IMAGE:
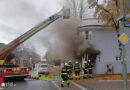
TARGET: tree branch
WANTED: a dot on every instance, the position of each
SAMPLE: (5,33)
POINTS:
(114,22)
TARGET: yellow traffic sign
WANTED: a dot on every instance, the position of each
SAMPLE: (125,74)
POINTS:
(123,38)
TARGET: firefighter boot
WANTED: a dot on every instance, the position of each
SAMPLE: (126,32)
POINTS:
(68,84)
(62,85)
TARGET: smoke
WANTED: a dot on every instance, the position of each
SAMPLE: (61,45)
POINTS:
(68,39)
(64,41)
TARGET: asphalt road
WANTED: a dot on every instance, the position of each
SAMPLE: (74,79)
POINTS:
(32,85)
(71,87)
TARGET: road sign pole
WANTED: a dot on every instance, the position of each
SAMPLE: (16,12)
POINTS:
(123,55)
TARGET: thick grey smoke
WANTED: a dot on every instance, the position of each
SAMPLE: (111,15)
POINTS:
(64,41)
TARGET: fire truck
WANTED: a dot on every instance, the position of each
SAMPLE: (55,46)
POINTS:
(13,72)
(9,70)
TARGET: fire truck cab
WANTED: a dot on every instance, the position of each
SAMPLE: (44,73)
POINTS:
(13,72)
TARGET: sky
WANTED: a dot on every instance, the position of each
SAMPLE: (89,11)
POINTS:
(18,16)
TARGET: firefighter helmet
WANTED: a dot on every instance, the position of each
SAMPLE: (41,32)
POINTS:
(66,64)
(76,62)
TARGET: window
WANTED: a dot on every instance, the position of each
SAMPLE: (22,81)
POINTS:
(88,35)
(43,66)
(43,61)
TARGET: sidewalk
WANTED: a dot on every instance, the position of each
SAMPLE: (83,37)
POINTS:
(102,84)
(99,82)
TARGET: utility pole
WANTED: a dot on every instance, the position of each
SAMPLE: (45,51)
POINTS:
(123,54)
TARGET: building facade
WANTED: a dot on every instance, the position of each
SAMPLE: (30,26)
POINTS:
(106,41)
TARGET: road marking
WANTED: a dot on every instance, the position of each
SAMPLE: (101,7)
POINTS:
(78,85)
(56,85)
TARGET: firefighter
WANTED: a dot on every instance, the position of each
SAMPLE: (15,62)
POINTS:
(65,75)
(85,69)
(70,66)
(90,66)
(77,70)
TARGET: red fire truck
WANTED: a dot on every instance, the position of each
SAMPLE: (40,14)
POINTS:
(7,69)
(13,72)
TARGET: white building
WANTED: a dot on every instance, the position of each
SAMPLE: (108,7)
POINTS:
(107,42)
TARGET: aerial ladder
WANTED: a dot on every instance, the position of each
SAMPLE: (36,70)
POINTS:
(14,71)
(4,51)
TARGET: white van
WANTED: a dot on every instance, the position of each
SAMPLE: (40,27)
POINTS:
(42,67)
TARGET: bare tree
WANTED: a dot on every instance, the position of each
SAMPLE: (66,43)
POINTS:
(26,51)
(78,8)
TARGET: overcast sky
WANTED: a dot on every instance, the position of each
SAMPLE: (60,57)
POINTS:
(18,16)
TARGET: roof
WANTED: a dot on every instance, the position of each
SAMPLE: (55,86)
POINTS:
(91,21)
(91,24)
